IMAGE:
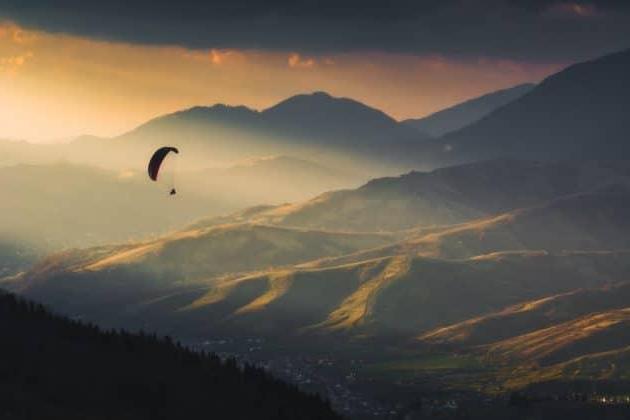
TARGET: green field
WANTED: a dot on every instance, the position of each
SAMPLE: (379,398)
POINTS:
(428,363)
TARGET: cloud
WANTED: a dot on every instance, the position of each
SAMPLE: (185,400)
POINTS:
(215,56)
(511,29)
(15,44)
(10,65)
(15,35)
(296,61)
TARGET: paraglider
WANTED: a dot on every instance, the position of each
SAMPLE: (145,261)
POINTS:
(156,163)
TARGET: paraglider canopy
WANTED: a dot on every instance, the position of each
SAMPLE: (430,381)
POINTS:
(157,159)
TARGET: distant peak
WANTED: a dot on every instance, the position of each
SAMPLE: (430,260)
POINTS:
(216,109)
(321,94)
(221,107)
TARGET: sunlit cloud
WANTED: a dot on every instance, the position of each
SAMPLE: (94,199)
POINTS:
(12,33)
(14,48)
(10,65)
(215,56)
(296,61)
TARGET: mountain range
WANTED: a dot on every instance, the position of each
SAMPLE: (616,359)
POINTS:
(443,196)
(579,113)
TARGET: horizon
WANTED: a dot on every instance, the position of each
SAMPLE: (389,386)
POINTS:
(82,96)
(72,138)
(73,69)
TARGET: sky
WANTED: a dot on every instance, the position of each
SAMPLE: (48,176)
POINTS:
(70,67)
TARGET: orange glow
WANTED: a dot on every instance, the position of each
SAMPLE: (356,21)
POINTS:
(55,86)
(296,61)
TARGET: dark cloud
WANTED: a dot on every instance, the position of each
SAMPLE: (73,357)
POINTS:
(532,29)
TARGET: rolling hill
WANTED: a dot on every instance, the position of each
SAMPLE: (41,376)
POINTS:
(578,113)
(531,316)
(441,197)
(593,333)
(593,371)
(586,221)
(441,254)
(468,112)
(189,260)
(389,296)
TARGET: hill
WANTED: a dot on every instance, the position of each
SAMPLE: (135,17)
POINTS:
(531,316)
(578,113)
(592,333)
(443,196)
(586,221)
(466,113)
(189,260)
(56,368)
(389,296)
(591,372)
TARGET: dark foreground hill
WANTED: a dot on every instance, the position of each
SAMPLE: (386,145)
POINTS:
(54,368)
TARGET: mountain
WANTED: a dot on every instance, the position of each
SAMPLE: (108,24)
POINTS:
(443,196)
(57,368)
(318,125)
(578,113)
(466,113)
(342,122)
(337,132)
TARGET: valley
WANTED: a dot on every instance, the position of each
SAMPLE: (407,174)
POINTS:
(396,278)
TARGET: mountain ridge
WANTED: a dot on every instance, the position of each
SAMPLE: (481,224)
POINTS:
(577,113)
(465,113)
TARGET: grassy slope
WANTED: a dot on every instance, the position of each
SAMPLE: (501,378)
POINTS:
(384,296)
(95,279)
(530,316)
